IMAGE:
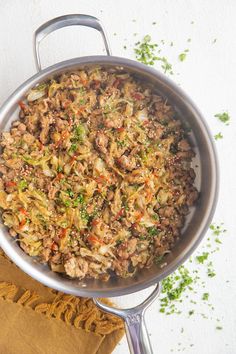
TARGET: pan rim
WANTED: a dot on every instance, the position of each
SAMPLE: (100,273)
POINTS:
(114,61)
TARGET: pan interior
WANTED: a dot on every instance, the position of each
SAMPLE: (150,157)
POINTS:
(204,164)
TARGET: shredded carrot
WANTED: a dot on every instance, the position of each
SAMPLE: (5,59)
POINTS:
(102,179)
(95,222)
(54,246)
(121,129)
(94,239)
(60,175)
(84,81)
(67,103)
(81,109)
(139,217)
(22,223)
(41,146)
(73,159)
(10,184)
(149,195)
(119,214)
(22,105)
(63,232)
(64,135)
(23,211)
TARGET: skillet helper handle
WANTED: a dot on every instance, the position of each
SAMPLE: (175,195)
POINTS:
(64,21)
(135,327)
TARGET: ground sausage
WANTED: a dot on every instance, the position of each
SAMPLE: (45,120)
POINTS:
(127,162)
(101,142)
(76,267)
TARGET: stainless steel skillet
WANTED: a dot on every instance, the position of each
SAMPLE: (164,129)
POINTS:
(197,221)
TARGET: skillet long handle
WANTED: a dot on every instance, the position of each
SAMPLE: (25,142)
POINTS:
(135,327)
(64,21)
(137,335)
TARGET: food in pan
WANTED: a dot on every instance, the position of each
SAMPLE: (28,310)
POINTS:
(96,175)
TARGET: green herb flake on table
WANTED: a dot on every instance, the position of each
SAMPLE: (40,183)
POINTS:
(218,136)
(223,117)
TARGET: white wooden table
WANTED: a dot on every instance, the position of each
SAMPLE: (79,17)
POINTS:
(209,76)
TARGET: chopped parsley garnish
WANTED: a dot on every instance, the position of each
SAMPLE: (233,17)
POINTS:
(152,231)
(218,136)
(201,259)
(79,134)
(223,117)
(166,66)
(125,204)
(205,296)
(145,53)
(70,193)
(119,242)
(84,215)
(173,288)
(22,185)
(67,203)
(59,169)
(82,101)
(155,217)
(219,327)
(73,147)
(182,56)
(217,230)
(177,285)
(79,200)
(210,271)
(142,237)
(121,143)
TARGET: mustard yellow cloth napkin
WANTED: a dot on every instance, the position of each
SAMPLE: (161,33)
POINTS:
(38,320)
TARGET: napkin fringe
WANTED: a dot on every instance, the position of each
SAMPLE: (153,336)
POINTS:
(79,312)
